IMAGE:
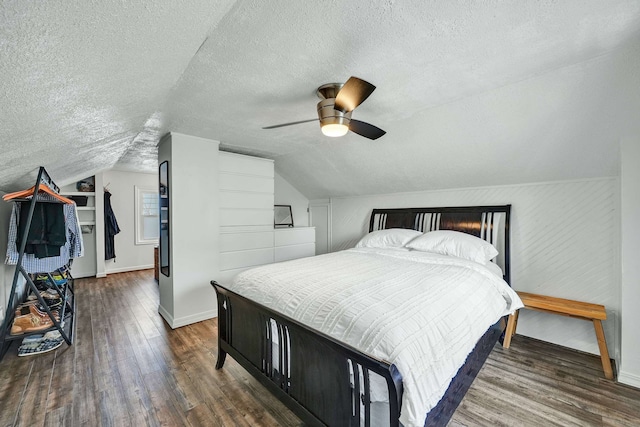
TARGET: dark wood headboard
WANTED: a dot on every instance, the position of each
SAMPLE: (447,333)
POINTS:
(490,223)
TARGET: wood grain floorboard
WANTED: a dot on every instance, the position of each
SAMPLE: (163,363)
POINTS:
(128,368)
(34,399)
(61,392)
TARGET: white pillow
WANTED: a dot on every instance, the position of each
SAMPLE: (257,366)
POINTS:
(455,243)
(391,238)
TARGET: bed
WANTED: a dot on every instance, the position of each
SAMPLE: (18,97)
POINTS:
(357,376)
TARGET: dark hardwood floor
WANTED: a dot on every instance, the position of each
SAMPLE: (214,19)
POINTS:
(127,368)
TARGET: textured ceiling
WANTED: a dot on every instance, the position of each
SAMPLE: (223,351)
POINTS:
(470,93)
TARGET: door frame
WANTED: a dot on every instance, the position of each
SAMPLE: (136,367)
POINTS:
(318,204)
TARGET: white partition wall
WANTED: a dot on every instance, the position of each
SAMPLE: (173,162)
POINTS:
(186,295)
(246,213)
(247,236)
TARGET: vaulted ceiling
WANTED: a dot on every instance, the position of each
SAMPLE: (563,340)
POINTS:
(470,93)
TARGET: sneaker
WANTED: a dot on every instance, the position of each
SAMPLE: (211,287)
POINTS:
(38,344)
(42,281)
(50,297)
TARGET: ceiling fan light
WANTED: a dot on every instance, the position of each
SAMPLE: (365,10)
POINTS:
(335,129)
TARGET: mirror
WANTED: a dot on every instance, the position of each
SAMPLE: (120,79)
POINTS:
(282,216)
(164,217)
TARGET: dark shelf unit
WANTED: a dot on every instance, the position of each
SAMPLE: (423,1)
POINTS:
(65,325)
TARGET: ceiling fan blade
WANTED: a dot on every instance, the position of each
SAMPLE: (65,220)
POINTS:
(365,129)
(352,94)
(290,124)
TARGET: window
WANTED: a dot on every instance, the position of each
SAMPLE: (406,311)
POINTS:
(147,216)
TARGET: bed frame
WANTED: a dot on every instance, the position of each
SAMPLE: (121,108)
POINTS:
(326,382)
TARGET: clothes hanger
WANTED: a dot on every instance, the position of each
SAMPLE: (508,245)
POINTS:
(29,192)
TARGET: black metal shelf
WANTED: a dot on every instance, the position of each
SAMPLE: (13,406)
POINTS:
(65,324)
(67,310)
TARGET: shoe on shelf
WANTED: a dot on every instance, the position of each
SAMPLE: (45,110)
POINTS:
(30,323)
(50,297)
(38,344)
(37,310)
(55,305)
(44,283)
(41,285)
(58,278)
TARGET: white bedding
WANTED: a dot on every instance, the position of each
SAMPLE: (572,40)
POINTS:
(420,311)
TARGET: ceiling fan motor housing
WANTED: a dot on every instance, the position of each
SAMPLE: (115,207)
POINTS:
(328,115)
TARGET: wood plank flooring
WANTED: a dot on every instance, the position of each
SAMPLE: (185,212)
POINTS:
(128,368)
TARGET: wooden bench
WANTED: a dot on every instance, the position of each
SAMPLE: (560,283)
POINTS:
(565,307)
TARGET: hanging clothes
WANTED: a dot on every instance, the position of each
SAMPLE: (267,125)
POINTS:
(110,228)
(47,230)
(72,248)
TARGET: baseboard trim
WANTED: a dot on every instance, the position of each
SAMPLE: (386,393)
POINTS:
(166,316)
(82,274)
(186,320)
(629,379)
(125,269)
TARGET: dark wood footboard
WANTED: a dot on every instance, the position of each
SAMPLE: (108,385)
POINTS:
(323,381)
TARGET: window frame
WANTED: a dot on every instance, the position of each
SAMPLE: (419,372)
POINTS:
(139,216)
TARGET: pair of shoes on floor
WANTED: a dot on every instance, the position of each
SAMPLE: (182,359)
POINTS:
(38,344)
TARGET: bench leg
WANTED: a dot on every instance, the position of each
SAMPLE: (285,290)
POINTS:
(511,329)
(604,353)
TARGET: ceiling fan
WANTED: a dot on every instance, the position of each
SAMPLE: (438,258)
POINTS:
(337,101)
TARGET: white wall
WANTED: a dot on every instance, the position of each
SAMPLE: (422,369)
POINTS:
(564,244)
(186,296)
(630,237)
(246,213)
(628,82)
(6,271)
(287,194)
(129,256)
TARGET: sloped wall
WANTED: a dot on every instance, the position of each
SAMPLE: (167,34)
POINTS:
(565,242)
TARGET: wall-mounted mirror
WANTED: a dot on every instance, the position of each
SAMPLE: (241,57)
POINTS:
(282,216)
(164,217)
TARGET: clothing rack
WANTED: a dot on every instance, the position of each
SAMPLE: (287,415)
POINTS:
(65,321)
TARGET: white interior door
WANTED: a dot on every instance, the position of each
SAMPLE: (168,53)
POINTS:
(321,220)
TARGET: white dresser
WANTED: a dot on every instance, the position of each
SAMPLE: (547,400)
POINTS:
(292,243)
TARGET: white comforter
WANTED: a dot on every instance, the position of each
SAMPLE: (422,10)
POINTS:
(421,312)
